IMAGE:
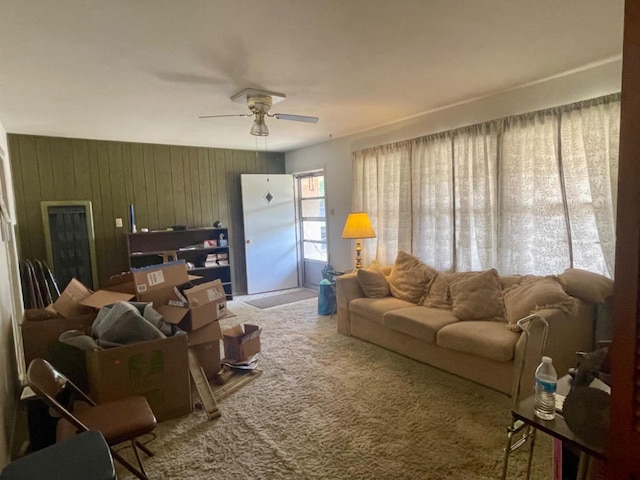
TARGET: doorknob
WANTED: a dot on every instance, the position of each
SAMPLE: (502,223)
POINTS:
(248,240)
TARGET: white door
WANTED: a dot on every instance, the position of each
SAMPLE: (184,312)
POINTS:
(270,232)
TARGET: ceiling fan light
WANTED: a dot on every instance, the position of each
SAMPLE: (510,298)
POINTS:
(259,128)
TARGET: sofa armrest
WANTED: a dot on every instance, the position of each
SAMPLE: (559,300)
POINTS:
(567,334)
(347,288)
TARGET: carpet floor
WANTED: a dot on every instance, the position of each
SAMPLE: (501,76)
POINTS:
(329,406)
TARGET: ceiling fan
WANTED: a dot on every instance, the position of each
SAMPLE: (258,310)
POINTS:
(260,102)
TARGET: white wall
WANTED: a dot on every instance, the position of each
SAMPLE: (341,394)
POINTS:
(335,155)
(9,298)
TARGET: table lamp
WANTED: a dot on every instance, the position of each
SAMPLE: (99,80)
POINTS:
(358,227)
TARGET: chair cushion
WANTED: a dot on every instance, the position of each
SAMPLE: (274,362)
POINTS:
(81,457)
(373,282)
(492,340)
(422,323)
(374,308)
(410,278)
(118,421)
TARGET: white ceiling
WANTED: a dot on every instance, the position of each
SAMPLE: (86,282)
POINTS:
(144,70)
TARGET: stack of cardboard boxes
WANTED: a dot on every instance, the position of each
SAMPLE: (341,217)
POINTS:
(156,369)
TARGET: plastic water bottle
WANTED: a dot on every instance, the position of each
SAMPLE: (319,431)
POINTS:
(545,390)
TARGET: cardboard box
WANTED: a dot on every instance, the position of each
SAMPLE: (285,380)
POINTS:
(101,298)
(205,342)
(241,342)
(209,357)
(158,370)
(68,304)
(199,306)
(40,331)
(209,333)
(155,283)
(76,299)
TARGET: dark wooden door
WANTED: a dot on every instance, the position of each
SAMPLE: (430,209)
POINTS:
(624,456)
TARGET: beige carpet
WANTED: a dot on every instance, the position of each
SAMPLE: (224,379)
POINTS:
(334,407)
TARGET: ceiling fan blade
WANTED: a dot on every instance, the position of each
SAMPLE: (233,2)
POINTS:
(295,118)
(235,115)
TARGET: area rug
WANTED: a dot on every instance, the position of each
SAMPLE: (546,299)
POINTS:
(282,298)
(328,406)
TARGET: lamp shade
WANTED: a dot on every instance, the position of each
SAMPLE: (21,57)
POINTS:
(358,226)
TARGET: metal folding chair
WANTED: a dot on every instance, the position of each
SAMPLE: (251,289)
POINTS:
(525,433)
(119,421)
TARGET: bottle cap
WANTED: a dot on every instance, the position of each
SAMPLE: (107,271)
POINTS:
(546,359)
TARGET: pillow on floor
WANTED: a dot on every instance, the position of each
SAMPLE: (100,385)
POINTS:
(478,297)
(410,278)
(588,286)
(373,282)
(527,298)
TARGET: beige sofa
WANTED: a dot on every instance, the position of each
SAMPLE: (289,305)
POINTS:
(485,351)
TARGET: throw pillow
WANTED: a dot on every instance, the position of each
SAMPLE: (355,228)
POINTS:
(373,282)
(508,281)
(410,278)
(590,287)
(478,297)
(438,295)
(527,298)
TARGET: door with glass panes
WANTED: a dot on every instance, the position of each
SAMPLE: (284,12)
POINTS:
(313,226)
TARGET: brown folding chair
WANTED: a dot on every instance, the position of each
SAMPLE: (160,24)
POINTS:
(119,421)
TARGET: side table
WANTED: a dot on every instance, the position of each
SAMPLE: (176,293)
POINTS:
(557,428)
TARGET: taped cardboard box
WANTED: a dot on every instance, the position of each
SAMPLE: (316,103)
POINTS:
(158,370)
(241,342)
(155,283)
(205,342)
(195,307)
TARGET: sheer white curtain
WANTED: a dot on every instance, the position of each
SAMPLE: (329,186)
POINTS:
(433,224)
(476,200)
(533,234)
(382,188)
(589,147)
(533,193)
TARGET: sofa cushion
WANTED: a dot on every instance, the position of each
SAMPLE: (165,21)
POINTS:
(422,323)
(545,292)
(486,339)
(375,308)
(588,286)
(373,282)
(410,278)
(438,295)
(478,297)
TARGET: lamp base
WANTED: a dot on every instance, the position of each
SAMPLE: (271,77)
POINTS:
(358,256)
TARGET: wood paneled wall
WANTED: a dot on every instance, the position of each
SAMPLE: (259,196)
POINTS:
(168,185)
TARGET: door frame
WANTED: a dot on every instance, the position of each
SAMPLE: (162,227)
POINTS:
(297,176)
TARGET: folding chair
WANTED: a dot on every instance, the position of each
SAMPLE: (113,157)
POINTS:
(516,427)
(119,421)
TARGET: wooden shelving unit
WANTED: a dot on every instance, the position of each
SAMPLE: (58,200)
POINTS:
(210,262)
